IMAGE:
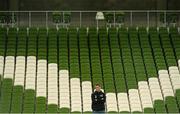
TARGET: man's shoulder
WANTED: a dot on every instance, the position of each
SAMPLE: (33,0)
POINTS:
(95,92)
(103,93)
(92,93)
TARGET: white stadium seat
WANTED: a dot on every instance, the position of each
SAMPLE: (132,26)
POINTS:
(75,95)
(86,95)
(64,94)
(145,94)
(111,102)
(155,89)
(123,102)
(134,99)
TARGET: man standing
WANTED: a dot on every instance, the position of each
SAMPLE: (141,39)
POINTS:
(98,100)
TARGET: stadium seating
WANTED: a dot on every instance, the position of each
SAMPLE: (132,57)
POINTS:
(54,70)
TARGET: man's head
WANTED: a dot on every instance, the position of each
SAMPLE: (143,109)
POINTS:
(98,87)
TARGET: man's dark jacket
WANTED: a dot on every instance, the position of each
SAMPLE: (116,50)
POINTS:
(98,101)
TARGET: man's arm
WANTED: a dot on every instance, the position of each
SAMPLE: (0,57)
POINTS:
(92,97)
(104,97)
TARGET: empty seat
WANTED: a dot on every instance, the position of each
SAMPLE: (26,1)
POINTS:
(123,102)
(155,89)
(175,79)
(134,99)
(173,70)
(162,72)
(9,67)
(86,96)
(111,102)
(75,95)
(52,84)
(41,78)
(145,94)
(166,85)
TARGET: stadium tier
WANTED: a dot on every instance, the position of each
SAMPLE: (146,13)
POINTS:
(48,70)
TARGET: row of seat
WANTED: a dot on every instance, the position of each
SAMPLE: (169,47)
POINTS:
(62,66)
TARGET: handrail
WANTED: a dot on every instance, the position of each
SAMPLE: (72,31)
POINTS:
(79,19)
(92,11)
